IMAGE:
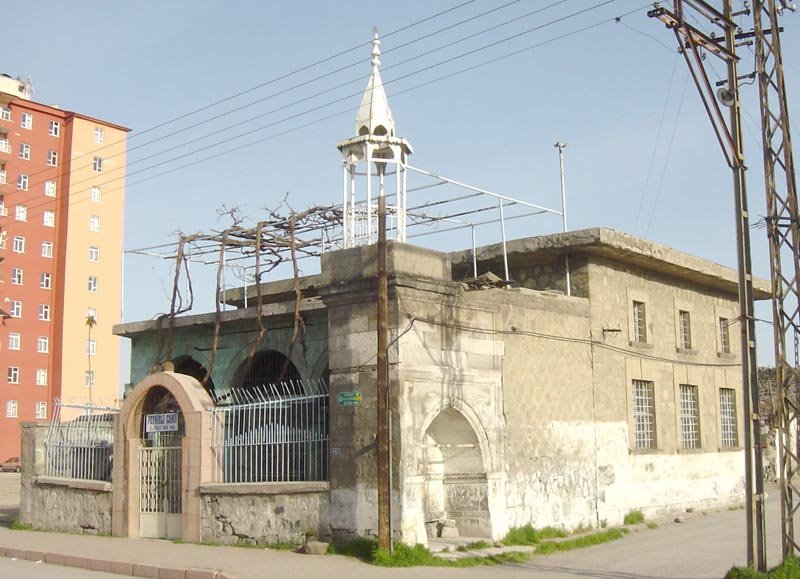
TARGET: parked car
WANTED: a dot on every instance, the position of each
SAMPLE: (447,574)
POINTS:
(11,465)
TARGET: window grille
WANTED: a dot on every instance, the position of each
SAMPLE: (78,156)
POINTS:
(685,322)
(724,336)
(644,415)
(690,417)
(727,417)
(639,323)
(272,433)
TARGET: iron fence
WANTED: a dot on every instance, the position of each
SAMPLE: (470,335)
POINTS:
(80,441)
(272,433)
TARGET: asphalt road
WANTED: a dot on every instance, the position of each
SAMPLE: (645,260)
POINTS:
(16,569)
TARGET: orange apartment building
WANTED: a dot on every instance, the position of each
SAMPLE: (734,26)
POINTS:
(62,177)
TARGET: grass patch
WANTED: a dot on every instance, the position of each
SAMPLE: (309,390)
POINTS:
(652,526)
(16,525)
(789,569)
(633,517)
(547,547)
(528,535)
(474,545)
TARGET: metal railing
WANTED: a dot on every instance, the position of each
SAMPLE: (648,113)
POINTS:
(80,441)
(271,434)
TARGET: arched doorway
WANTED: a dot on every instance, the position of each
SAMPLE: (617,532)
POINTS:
(269,373)
(160,496)
(455,484)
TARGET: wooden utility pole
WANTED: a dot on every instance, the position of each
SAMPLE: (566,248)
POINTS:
(384,491)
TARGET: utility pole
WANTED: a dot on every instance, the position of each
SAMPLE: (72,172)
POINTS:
(384,490)
(561,146)
(694,45)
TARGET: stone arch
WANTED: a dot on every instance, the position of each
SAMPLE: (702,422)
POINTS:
(268,368)
(192,401)
(189,366)
(454,470)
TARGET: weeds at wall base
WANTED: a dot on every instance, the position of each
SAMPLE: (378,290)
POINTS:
(789,569)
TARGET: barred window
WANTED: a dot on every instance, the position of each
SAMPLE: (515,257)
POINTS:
(690,417)
(727,418)
(639,322)
(724,336)
(685,330)
(644,415)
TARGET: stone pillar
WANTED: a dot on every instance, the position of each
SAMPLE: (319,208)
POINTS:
(32,459)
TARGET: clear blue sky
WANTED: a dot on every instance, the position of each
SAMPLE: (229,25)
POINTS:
(604,91)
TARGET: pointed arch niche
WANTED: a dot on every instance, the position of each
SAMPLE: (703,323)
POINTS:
(454,470)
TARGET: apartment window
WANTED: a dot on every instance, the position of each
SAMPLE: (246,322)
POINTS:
(13,374)
(22,182)
(41,377)
(16,309)
(96,194)
(43,344)
(49,218)
(5,114)
(690,417)
(41,410)
(27,121)
(24,151)
(14,341)
(94,253)
(52,158)
(639,322)
(93,284)
(91,347)
(88,378)
(3,174)
(684,330)
(50,188)
(21,212)
(47,249)
(55,129)
(727,418)
(46,280)
(91,313)
(12,408)
(17,276)
(3,234)
(4,146)
(644,415)
(99,134)
(19,244)
(724,336)
(44,312)
(97,164)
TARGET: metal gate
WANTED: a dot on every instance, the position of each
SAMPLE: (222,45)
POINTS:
(160,492)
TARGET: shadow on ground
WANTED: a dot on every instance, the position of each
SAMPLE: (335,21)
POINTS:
(8,515)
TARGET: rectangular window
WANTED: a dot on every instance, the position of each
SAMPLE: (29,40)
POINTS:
(88,378)
(52,158)
(644,415)
(14,341)
(50,188)
(49,218)
(639,323)
(26,122)
(684,330)
(24,151)
(91,347)
(724,336)
(21,212)
(96,194)
(727,418)
(13,374)
(41,410)
(55,129)
(5,114)
(41,377)
(94,223)
(19,244)
(43,344)
(47,249)
(91,313)
(5,147)
(93,284)
(16,309)
(94,253)
(99,134)
(97,165)
(46,280)
(3,175)
(22,182)
(44,312)
(17,276)
(12,408)
(690,417)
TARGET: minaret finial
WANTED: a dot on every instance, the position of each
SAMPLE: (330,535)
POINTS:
(376,49)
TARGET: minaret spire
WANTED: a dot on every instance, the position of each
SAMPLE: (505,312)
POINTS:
(374,116)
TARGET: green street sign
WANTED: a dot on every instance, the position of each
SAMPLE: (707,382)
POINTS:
(349,398)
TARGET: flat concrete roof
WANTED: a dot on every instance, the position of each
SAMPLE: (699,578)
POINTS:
(623,248)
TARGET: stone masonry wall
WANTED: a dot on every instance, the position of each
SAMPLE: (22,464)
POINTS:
(70,507)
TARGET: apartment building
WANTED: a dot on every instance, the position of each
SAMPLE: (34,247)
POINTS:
(62,185)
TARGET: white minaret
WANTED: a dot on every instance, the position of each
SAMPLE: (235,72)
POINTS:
(369,159)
